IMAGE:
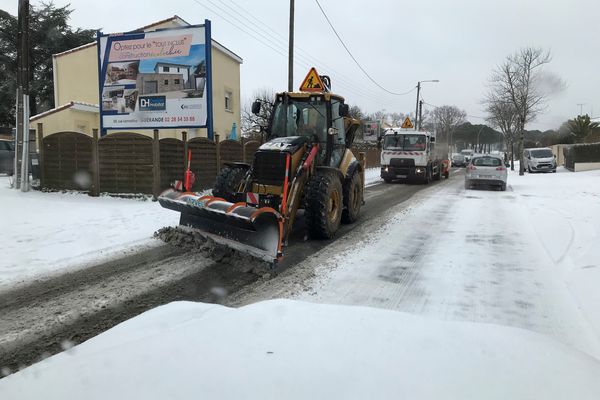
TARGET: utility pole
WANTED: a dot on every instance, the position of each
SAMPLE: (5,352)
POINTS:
(417,106)
(420,120)
(580,108)
(24,47)
(291,50)
(21,163)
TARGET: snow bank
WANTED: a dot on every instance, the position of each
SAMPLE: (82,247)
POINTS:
(372,176)
(46,233)
(293,350)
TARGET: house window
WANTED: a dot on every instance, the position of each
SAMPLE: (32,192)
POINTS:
(228,100)
(166,81)
(165,69)
(176,81)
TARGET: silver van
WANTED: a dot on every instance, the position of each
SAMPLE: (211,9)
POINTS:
(540,159)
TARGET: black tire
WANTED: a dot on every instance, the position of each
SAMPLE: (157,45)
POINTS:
(427,176)
(228,181)
(387,180)
(353,198)
(503,187)
(447,175)
(528,169)
(324,204)
(467,185)
(438,175)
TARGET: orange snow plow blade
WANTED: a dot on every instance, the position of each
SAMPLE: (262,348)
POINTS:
(252,230)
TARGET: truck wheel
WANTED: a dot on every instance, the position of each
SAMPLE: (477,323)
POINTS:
(438,174)
(427,176)
(324,203)
(353,198)
(228,181)
(387,180)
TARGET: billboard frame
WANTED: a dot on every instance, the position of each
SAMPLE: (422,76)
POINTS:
(208,57)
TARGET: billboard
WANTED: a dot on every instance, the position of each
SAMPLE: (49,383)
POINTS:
(151,80)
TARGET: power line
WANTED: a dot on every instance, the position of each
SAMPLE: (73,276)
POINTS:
(354,59)
(302,54)
(349,87)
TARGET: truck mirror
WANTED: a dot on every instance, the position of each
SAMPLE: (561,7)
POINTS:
(256,107)
(432,139)
(344,110)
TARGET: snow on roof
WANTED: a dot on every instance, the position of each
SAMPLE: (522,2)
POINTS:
(76,105)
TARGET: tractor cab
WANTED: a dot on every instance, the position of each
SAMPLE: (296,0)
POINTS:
(316,118)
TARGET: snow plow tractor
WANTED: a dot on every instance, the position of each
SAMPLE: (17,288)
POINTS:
(306,163)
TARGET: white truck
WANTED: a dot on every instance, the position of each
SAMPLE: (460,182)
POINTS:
(411,156)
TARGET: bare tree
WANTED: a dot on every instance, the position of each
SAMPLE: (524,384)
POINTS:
(249,121)
(446,119)
(503,115)
(357,112)
(521,80)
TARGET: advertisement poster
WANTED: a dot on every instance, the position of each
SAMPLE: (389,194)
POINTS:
(155,79)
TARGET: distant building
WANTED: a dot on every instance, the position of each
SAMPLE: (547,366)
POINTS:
(76,87)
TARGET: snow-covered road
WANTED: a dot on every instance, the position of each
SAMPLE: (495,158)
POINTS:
(523,258)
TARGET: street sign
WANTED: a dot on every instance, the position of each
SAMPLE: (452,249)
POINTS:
(407,124)
(312,82)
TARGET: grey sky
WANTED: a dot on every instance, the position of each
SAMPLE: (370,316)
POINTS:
(397,42)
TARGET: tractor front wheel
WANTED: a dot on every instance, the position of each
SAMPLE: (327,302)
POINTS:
(324,204)
(353,198)
(228,182)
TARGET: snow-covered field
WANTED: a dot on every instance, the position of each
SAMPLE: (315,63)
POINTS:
(527,257)
(294,350)
(46,233)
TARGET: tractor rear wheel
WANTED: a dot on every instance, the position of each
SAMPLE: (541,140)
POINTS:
(228,181)
(353,198)
(324,204)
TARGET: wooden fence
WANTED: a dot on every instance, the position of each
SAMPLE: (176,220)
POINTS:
(130,163)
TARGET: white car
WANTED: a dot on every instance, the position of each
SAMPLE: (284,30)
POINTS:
(486,170)
(541,159)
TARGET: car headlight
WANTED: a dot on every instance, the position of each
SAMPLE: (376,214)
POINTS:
(418,170)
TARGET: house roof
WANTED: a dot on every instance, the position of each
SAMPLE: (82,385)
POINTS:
(179,21)
(75,105)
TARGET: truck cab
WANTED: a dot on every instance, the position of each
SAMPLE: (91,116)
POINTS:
(409,155)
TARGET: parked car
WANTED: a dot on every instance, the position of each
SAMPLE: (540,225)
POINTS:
(540,159)
(486,170)
(458,160)
(7,157)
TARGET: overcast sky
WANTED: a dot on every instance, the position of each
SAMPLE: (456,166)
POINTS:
(397,42)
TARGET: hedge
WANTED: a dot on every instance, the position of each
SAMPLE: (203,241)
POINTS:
(581,153)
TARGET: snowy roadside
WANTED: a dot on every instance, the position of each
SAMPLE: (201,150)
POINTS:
(49,233)
(372,176)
